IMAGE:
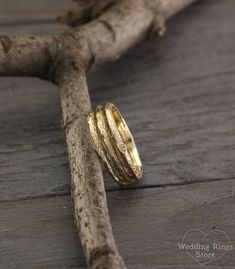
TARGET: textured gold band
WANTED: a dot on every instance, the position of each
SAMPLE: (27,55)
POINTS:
(114,144)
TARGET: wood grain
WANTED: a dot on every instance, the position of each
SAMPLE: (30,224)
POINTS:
(32,28)
(177,95)
(26,11)
(148,224)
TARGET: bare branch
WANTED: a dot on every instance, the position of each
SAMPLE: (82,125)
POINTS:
(114,27)
(25,55)
(90,206)
(118,25)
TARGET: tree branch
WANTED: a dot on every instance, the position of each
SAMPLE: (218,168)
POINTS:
(25,55)
(114,27)
(122,24)
(90,207)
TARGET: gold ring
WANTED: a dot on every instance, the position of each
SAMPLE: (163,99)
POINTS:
(114,144)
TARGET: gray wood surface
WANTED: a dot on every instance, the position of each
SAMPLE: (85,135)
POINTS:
(148,224)
(177,95)
(25,11)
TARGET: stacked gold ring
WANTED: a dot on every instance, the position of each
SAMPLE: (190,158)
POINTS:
(114,144)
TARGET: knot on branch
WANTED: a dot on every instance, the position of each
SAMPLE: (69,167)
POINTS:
(158,25)
(70,50)
(6,43)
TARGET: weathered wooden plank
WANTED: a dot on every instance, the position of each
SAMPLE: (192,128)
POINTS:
(27,11)
(176,93)
(33,155)
(178,96)
(148,224)
(33,28)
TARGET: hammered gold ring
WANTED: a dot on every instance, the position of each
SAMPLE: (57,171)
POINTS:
(114,144)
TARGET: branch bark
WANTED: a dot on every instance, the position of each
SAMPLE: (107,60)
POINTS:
(88,193)
(114,27)
(25,55)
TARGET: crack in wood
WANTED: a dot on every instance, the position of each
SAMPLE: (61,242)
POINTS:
(131,188)
(6,43)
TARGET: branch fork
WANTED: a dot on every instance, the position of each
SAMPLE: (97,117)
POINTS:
(104,30)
